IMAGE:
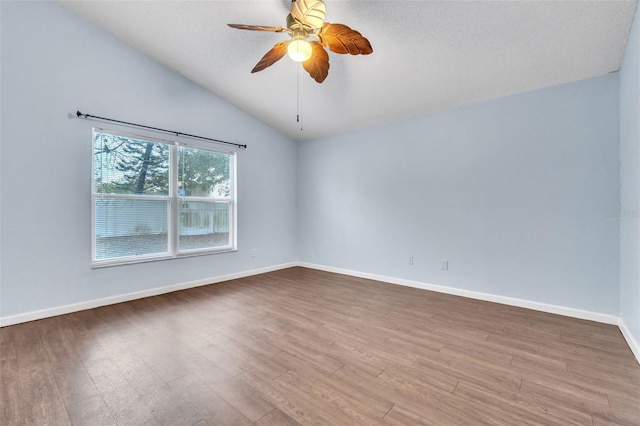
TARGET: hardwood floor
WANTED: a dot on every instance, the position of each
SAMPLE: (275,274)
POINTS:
(300,346)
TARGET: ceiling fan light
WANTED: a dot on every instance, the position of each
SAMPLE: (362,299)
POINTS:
(299,50)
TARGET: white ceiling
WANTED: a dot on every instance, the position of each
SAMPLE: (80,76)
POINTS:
(428,55)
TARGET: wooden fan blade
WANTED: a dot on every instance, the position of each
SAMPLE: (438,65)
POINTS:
(318,65)
(339,38)
(272,56)
(258,28)
(310,13)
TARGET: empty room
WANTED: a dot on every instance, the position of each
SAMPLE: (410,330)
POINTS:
(313,212)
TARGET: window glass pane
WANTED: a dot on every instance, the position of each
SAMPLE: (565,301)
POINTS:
(130,166)
(203,225)
(203,173)
(130,227)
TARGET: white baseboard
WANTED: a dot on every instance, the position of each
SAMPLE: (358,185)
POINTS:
(536,306)
(633,345)
(95,303)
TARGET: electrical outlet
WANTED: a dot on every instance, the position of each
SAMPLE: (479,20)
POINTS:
(445,265)
(253,253)
(410,260)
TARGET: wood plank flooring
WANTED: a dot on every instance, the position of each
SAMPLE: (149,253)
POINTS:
(306,347)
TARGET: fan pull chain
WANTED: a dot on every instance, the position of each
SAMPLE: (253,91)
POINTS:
(298,84)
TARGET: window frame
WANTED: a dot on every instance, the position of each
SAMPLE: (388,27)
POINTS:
(173,200)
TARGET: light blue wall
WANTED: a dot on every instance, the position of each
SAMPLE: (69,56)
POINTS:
(53,63)
(519,194)
(630,183)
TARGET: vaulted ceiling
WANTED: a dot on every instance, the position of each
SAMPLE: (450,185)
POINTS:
(428,55)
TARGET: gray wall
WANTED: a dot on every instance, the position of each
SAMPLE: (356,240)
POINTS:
(519,194)
(630,183)
(53,63)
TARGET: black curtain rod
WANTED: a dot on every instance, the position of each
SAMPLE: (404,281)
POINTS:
(173,132)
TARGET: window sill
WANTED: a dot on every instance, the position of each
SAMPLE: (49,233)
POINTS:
(98,264)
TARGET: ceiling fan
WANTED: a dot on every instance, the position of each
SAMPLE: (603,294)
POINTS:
(306,20)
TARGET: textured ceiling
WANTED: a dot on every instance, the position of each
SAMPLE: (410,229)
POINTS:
(428,55)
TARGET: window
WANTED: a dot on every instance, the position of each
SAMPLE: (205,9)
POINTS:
(155,199)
